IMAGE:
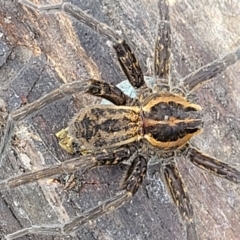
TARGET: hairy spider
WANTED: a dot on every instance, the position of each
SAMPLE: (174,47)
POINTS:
(160,122)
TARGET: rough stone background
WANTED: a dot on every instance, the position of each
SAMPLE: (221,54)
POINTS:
(40,52)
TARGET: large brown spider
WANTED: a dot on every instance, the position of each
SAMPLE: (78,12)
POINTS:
(159,122)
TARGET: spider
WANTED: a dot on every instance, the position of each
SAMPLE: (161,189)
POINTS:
(160,122)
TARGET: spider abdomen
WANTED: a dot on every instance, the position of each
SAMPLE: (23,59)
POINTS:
(106,126)
(169,120)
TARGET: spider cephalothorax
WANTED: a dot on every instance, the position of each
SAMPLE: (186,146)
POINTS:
(159,121)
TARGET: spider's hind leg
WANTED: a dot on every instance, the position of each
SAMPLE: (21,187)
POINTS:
(89,161)
(181,198)
(213,165)
(130,187)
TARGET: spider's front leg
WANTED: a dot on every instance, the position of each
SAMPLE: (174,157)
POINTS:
(131,183)
(181,198)
(126,57)
(213,165)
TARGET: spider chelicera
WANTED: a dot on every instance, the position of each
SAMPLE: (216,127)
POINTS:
(160,122)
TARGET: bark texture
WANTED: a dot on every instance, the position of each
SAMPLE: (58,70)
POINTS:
(40,52)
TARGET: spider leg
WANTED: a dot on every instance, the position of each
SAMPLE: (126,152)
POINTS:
(91,86)
(213,165)
(109,92)
(131,184)
(194,80)
(181,199)
(55,229)
(63,230)
(76,13)
(162,45)
(84,163)
(126,57)
(129,64)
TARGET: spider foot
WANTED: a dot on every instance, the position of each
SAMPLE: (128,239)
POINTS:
(44,8)
(191,231)
(45,230)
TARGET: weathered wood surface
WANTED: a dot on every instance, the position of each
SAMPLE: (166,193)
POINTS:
(38,53)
